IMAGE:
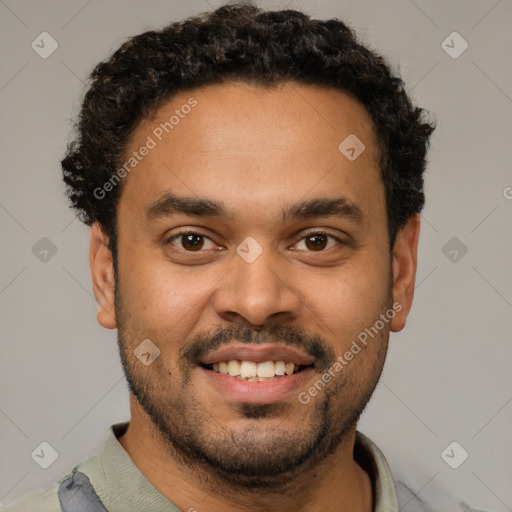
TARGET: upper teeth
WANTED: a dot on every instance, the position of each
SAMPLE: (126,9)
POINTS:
(250,369)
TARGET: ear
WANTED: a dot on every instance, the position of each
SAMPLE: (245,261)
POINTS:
(404,270)
(102,273)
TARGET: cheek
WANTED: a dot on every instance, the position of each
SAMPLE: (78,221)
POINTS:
(351,300)
(165,299)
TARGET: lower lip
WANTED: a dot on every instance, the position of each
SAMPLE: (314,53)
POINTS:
(257,392)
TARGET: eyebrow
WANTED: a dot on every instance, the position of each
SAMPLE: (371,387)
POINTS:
(337,207)
(170,204)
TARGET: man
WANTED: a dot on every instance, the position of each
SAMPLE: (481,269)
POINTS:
(253,181)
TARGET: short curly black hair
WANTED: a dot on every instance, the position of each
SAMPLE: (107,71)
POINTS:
(264,48)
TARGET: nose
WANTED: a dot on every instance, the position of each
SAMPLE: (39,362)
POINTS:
(257,292)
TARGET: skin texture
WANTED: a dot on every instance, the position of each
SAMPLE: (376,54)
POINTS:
(258,152)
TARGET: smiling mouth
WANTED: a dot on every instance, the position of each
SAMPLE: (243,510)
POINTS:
(251,371)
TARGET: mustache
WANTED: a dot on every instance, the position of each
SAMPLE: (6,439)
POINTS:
(314,345)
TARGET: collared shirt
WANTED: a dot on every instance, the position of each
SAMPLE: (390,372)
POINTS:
(123,488)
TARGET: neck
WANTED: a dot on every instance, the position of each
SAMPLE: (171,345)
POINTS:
(338,483)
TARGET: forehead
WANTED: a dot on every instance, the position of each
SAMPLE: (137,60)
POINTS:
(253,147)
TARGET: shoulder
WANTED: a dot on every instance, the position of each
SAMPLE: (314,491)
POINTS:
(41,500)
(400,485)
(47,499)
(435,496)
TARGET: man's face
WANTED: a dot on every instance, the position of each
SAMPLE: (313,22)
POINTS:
(253,283)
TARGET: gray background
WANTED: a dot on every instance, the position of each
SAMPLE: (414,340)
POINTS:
(447,377)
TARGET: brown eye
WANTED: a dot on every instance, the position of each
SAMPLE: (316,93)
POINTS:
(192,242)
(317,241)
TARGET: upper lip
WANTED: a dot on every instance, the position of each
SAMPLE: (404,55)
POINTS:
(258,354)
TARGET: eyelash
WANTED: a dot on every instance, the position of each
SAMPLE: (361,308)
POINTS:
(192,232)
